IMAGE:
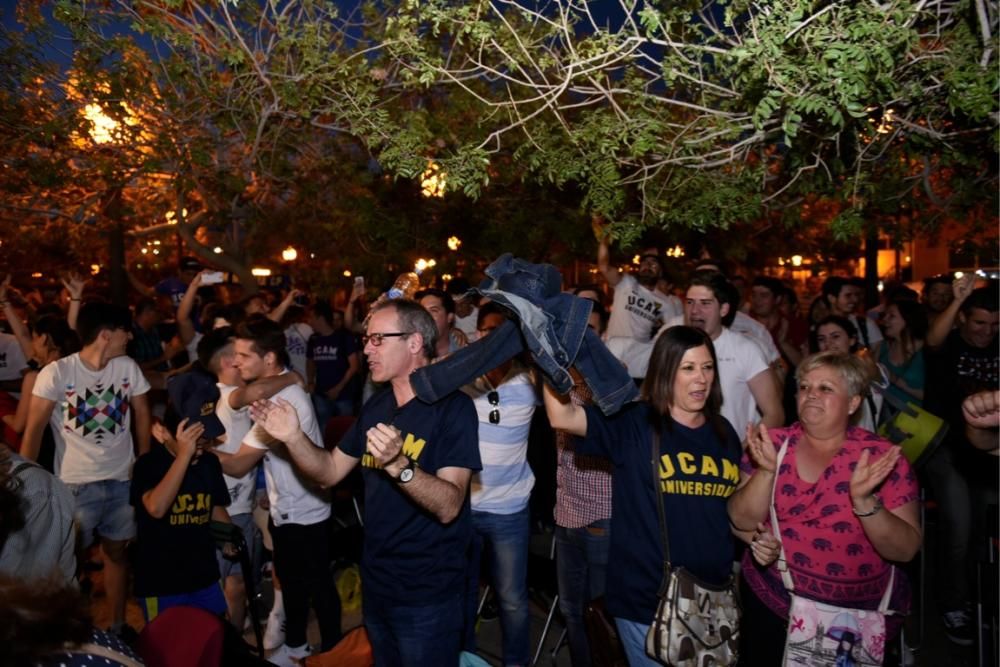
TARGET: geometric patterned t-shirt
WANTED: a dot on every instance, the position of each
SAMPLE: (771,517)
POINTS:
(829,555)
(91,420)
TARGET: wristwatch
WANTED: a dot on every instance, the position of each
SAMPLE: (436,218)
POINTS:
(406,474)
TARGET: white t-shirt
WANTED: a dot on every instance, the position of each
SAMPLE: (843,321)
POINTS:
(740,360)
(296,341)
(748,326)
(237,424)
(637,312)
(631,352)
(467,324)
(91,418)
(12,360)
(294,497)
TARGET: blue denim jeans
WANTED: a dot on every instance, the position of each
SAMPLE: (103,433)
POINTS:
(581,569)
(400,636)
(633,636)
(103,507)
(504,538)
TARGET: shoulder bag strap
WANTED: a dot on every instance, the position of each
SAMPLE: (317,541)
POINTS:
(883,606)
(782,564)
(861,322)
(658,497)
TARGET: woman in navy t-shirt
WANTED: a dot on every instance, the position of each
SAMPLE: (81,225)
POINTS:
(698,470)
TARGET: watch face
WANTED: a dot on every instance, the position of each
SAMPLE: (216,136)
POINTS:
(406,475)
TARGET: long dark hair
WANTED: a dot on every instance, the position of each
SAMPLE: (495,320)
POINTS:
(658,387)
(59,332)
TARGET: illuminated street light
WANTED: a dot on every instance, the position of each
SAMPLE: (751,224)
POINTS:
(259,272)
(217,250)
(171,216)
(423,264)
(289,254)
(454,243)
(796,260)
(432,181)
(347,273)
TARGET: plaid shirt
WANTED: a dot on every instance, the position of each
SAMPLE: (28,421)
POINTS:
(583,483)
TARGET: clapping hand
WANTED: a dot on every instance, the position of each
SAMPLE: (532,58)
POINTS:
(278,418)
(760,448)
(764,546)
(869,474)
(384,443)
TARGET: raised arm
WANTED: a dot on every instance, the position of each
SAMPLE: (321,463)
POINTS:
(610,273)
(441,493)
(185,323)
(282,308)
(749,505)
(19,328)
(945,322)
(74,287)
(281,421)
(563,414)
(241,462)
(350,319)
(982,417)
(139,287)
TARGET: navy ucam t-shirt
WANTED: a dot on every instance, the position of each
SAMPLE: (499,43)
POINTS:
(409,556)
(697,474)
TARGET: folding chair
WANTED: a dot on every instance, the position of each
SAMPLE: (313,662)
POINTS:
(228,533)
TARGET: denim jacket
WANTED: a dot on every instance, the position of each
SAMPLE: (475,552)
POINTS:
(552,327)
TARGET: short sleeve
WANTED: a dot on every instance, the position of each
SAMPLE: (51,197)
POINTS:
(606,436)
(47,383)
(353,442)
(256,437)
(140,385)
(459,435)
(901,486)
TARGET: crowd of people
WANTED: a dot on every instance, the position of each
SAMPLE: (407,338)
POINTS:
(475,417)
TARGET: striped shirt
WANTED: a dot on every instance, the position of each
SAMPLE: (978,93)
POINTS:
(583,483)
(504,484)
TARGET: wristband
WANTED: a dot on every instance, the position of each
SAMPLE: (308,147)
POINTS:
(72,299)
(873,511)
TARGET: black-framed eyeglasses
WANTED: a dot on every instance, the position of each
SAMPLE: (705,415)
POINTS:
(494,398)
(377,338)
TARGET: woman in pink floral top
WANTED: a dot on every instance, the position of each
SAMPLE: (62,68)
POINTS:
(846,503)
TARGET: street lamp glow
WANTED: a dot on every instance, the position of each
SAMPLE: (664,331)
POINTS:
(289,254)
(259,272)
(217,250)
(171,216)
(95,269)
(454,243)
(347,273)
(432,181)
(422,264)
(796,260)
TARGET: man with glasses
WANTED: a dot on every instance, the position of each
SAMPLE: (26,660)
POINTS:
(96,390)
(505,400)
(417,460)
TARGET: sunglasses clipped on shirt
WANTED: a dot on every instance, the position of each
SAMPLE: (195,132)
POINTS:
(377,338)
(494,398)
